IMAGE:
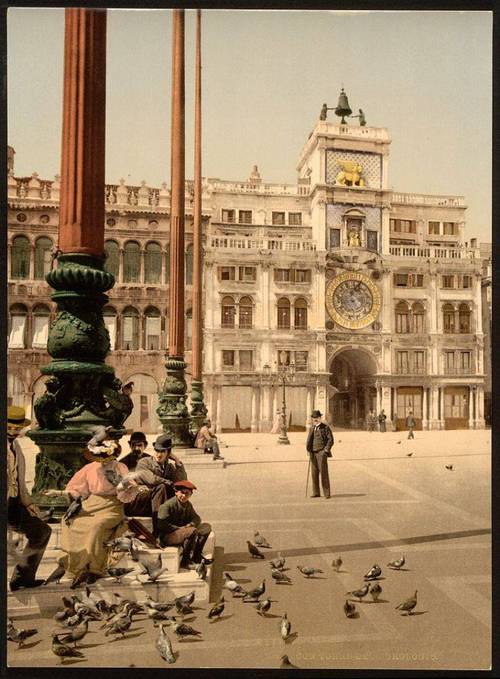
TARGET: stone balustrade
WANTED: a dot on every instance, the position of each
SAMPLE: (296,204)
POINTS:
(426,199)
(228,243)
(433,252)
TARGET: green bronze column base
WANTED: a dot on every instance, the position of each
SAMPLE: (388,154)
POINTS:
(172,411)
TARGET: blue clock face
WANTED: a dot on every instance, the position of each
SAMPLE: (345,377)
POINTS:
(353,300)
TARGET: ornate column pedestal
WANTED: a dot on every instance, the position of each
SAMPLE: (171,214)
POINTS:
(172,409)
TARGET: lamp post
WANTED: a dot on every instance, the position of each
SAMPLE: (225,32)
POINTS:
(285,375)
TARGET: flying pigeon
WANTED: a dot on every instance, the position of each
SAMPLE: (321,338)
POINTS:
(337,563)
(278,563)
(279,576)
(286,664)
(285,627)
(72,510)
(63,651)
(260,540)
(360,593)
(19,635)
(397,564)
(217,610)
(375,590)
(182,630)
(374,573)
(254,552)
(118,573)
(408,605)
(349,609)
(263,606)
(164,646)
(308,570)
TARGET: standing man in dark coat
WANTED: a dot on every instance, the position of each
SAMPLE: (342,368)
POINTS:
(319,444)
(410,423)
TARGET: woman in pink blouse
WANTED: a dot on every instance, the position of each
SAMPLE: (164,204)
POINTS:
(101,517)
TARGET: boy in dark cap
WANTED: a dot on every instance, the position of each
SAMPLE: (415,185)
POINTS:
(179,524)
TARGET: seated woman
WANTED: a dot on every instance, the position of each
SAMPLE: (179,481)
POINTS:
(207,440)
(101,517)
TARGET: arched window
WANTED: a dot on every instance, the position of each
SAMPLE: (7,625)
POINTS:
(246,312)
(17,332)
(109,316)
(112,261)
(152,263)
(402,318)
(152,329)
(284,313)
(448,318)
(41,317)
(189,265)
(189,328)
(167,262)
(228,314)
(130,333)
(132,262)
(20,257)
(300,314)
(43,247)
(464,318)
(418,318)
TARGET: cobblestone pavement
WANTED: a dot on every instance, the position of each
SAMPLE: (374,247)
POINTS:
(384,504)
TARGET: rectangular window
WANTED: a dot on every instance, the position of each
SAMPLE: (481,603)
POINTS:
(247,273)
(300,318)
(110,323)
(278,218)
(40,331)
(227,358)
(402,324)
(128,330)
(282,275)
(401,280)
(466,281)
(395,225)
(372,241)
(245,216)
(402,362)
(334,238)
(226,273)
(433,229)
(295,218)
(17,332)
(449,361)
(448,282)
(416,280)
(303,275)
(465,362)
(228,216)
(408,226)
(301,360)
(246,359)
(152,333)
(419,362)
(449,229)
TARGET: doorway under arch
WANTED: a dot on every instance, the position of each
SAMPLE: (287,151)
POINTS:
(352,388)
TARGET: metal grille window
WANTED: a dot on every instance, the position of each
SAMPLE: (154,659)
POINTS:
(278,218)
(401,280)
(284,313)
(466,281)
(112,261)
(245,216)
(228,312)
(245,312)
(20,257)
(449,229)
(300,307)
(43,247)
(334,238)
(152,263)
(132,262)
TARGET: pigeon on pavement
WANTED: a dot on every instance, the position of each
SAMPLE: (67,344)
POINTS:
(374,573)
(279,576)
(63,651)
(255,553)
(408,605)
(409,454)
(153,614)
(309,570)
(158,605)
(285,627)
(187,599)
(263,606)
(183,609)
(337,563)
(375,590)
(19,636)
(77,633)
(121,625)
(232,585)
(55,576)
(164,645)
(286,664)
(182,630)
(449,467)
(260,540)
(72,510)
(397,564)
(360,593)
(153,568)
(256,592)
(217,610)
(349,609)
(278,563)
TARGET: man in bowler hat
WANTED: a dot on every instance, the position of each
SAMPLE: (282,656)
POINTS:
(319,444)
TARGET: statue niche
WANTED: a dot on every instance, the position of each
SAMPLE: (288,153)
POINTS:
(350,174)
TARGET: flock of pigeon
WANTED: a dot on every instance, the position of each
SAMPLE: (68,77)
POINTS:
(116,617)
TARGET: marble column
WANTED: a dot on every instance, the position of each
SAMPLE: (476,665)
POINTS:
(425,422)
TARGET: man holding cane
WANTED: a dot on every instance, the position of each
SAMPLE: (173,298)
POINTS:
(319,444)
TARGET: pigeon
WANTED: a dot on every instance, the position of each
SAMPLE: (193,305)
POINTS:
(279,576)
(255,553)
(121,544)
(337,563)
(183,609)
(55,576)
(278,563)
(19,635)
(360,593)
(349,609)
(186,600)
(309,570)
(375,591)
(398,442)
(286,664)
(409,454)
(63,651)
(164,646)
(118,573)
(408,605)
(217,610)
(449,467)
(73,509)
(374,573)
(77,633)
(263,606)
(121,625)
(120,615)
(46,515)
(397,564)
(182,630)
(285,627)
(260,540)
(201,570)
(158,605)
(153,569)
(232,585)
(153,614)
(112,476)
(72,620)
(257,592)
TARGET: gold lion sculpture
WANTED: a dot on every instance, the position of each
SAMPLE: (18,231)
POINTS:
(350,175)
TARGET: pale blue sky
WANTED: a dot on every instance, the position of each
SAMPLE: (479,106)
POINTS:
(426,76)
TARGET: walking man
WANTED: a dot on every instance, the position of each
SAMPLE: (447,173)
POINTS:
(22,513)
(410,423)
(319,444)
(381,421)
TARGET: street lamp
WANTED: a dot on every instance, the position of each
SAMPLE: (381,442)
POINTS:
(285,375)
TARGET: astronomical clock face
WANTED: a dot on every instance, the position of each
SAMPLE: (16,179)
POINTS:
(352,300)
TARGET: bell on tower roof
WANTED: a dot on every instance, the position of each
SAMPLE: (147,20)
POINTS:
(343,108)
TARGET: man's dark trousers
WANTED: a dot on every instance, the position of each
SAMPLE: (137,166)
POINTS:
(37,533)
(319,464)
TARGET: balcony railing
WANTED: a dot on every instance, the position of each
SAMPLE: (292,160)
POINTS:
(228,243)
(433,253)
(427,199)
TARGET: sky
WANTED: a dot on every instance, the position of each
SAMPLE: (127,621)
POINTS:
(426,76)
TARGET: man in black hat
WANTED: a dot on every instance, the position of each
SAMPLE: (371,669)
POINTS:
(22,513)
(179,524)
(156,475)
(319,444)
(138,444)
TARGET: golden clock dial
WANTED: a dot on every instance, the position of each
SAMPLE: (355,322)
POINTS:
(352,300)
